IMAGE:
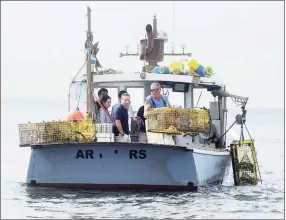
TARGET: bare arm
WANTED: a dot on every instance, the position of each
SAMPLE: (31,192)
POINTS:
(119,126)
(147,108)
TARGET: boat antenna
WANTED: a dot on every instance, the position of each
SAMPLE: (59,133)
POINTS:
(173,28)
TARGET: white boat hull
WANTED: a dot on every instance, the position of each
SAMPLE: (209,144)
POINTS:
(210,166)
(124,165)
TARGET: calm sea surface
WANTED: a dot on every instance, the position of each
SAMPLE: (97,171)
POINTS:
(265,200)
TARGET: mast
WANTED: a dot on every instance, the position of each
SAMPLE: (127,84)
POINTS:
(89,107)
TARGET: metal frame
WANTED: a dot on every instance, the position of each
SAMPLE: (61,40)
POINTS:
(128,78)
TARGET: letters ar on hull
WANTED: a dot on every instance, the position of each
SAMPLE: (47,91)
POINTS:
(87,155)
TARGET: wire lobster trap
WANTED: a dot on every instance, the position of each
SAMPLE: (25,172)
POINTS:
(245,167)
(178,120)
(56,132)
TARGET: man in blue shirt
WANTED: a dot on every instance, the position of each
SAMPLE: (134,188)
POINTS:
(155,100)
(130,109)
(120,118)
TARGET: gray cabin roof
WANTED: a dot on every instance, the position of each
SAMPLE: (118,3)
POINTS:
(137,79)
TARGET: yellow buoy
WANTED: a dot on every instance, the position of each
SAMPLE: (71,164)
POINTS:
(193,64)
(176,67)
(176,71)
(209,70)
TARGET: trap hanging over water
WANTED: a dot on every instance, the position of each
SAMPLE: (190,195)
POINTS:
(244,162)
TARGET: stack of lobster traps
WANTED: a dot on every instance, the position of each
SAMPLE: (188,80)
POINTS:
(178,120)
(56,132)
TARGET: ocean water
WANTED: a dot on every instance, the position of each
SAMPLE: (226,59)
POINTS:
(265,200)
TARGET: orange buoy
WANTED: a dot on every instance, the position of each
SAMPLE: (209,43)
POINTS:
(75,115)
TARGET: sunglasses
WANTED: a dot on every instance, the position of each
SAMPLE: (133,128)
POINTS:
(154,90)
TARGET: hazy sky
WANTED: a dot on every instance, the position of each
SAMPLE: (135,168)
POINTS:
(42,43)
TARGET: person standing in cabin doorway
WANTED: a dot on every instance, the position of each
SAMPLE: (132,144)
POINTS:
(157,100)
(96,114)
(120,118)
(103,112)
(100,93)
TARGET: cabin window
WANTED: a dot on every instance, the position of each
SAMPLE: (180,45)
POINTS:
(176,98)
(137,97)
(204,100)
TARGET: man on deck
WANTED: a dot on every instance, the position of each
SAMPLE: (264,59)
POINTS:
(120,118)
(130,109)
(157,100)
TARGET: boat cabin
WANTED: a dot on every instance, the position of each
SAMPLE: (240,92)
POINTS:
(183,84)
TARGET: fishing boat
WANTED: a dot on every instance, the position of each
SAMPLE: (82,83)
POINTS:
(82,153)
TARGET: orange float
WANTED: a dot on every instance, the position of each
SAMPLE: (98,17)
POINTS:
(75,115)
